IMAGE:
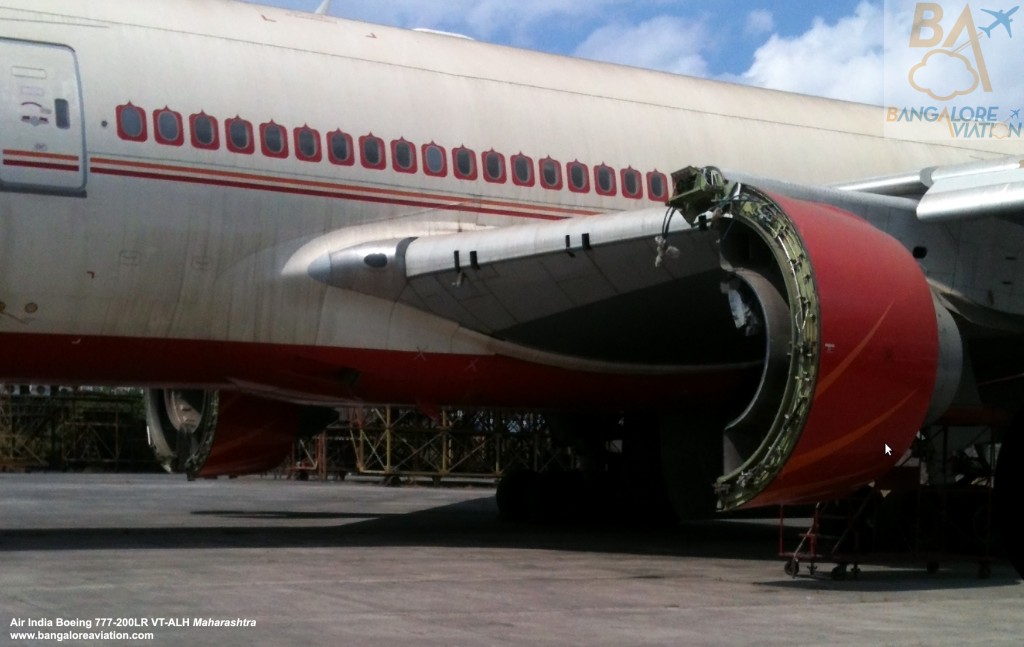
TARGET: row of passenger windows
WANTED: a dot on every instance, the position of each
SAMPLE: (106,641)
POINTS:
(372,152)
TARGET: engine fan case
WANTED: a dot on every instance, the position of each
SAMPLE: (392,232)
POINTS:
(869,368)
(222,433)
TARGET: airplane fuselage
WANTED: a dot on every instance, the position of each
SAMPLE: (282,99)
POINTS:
(170,175)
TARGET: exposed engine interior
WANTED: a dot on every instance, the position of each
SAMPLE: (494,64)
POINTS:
(209,433)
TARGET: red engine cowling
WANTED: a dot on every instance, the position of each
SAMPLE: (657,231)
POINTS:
(209,433)
(857,354)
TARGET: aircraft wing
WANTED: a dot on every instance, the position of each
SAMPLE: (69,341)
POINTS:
(964,191)
(604,288)
(729,275)
(600,288)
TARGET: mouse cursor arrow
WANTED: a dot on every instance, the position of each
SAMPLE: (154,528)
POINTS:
(888,450)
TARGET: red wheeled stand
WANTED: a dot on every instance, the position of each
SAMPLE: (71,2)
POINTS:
(927,524)
(843,549)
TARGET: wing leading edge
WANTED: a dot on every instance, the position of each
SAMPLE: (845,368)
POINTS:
(603,288)
(963,191)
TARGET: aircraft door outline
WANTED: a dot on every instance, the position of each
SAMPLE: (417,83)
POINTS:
(42,128)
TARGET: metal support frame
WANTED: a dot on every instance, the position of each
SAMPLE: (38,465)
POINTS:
(63,428)
(949,512)
(308,458)
(394,441)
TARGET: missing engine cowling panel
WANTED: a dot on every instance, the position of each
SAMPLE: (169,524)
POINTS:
(771,285)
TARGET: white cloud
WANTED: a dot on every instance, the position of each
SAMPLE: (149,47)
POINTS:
(841,60)
(491,16)
(664,43)
(482,19)
(759,21)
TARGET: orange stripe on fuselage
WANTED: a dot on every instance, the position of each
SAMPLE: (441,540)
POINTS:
(249,179)
(463,207)
(37,154)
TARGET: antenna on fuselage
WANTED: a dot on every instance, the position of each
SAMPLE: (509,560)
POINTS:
(323,8)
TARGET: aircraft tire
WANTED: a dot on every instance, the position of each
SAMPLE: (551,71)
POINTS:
(514,496)
(558,497)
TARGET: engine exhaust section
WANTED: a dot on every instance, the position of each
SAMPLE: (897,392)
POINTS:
(854,360)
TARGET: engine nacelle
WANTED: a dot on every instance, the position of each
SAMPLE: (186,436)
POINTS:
(209,433)
(857,352)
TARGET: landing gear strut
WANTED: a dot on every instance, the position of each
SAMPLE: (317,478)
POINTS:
(513,496)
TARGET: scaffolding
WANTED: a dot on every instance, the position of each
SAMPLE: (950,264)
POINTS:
(391,441)
(60,428)
(28,419)
(397,442)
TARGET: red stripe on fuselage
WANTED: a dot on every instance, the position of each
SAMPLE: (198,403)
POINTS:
(41,165)
(255,177)
(323,194)
(338,375)
(293,186)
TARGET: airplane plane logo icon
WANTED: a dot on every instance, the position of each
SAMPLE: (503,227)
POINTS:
(1002,18)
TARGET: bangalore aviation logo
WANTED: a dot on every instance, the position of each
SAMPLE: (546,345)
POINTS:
(940,81)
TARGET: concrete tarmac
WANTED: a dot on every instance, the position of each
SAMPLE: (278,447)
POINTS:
(359,564)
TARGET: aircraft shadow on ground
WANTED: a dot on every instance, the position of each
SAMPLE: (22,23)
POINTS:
(961,575)
(472,523)
(475,524)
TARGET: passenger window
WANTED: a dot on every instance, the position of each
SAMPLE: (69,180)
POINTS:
(550,174)
(522,170)
(204,131)
(494,167)
(61,107)
(434,162)
(579,178)
(339,148)
(403,154)
(605,180)
(657,186)
(239,133)
(273,140)
(307,144)
(131,123)
(373,152)
(168,127)
(631,187)
(465,163)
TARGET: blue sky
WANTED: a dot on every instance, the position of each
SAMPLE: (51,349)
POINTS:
(829,48)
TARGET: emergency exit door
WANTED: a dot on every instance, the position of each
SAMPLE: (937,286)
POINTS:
(42,137)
